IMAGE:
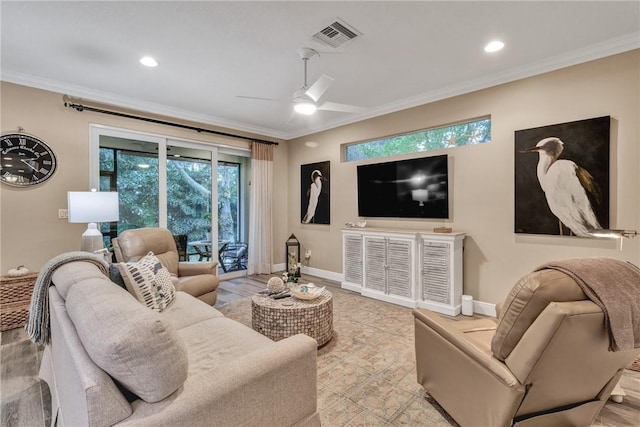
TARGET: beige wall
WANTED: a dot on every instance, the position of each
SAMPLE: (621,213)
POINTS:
(482,183)
(30,231)
(481,176)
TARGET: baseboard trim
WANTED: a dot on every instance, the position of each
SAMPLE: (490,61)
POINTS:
(485,308)
(323,274)
(479,307)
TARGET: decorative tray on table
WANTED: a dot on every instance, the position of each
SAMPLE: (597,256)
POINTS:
(307,292)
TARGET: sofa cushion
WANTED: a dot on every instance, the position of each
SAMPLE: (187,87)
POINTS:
(187,310)
(525,302)
(128,341)
(149,282)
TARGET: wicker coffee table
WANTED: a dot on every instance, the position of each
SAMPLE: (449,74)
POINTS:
(279,319)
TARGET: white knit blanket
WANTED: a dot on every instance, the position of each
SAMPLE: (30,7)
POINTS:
(38,325)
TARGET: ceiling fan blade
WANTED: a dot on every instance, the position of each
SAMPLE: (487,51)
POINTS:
(293,114)
(319,87)
(263,99)
(344,108)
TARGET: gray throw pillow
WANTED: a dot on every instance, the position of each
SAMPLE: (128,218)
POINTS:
(115,276)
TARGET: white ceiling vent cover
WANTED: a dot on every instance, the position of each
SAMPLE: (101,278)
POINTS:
(337,33)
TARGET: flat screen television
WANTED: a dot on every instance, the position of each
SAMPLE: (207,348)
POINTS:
(414,188)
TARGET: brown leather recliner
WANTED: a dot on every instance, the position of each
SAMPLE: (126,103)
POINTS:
(195,278)
(543,362)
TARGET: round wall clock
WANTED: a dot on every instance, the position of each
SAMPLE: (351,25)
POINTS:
(25,160)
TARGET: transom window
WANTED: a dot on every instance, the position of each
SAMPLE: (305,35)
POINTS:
(466,133)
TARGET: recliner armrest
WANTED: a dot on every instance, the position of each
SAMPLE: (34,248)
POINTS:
(186,268)
(457,338)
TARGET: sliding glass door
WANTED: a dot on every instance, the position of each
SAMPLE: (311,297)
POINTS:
(169,183)
(131,168)
(189,197)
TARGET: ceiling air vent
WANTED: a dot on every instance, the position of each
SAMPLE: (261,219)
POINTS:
(337,34)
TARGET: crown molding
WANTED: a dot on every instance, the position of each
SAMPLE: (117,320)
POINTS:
(135,104)
(610,47)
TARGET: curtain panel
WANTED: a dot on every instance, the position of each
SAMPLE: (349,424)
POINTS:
(261,220)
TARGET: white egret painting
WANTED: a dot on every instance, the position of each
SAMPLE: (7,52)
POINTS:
(562,178)
(314,193)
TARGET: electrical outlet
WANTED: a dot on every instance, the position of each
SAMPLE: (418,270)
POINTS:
(63,213)
(307,254)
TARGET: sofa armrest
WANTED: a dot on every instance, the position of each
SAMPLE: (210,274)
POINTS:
(457,338)
(186,268)
(274,385)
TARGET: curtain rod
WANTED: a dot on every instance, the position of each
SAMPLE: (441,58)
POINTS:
(80,108)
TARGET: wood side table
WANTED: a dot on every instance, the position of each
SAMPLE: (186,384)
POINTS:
(279,319)
(15,297)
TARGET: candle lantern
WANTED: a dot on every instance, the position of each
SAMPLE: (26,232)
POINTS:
(293,255)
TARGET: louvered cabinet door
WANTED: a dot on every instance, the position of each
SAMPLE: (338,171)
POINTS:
(412,268)
(375,263)
(399,267)
(436,277)
(353,258)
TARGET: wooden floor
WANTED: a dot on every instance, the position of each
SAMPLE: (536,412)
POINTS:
(25,401)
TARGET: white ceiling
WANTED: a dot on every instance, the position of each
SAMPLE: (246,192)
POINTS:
(410,53)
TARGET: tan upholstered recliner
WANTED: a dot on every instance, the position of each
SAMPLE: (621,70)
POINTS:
(543,362)
(195,278)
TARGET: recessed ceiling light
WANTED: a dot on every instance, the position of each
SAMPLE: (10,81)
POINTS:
(493,46)
(148,61)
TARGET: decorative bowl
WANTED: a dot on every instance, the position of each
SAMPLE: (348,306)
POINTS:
(306,292)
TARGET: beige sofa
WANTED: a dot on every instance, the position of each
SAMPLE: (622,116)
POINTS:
(113,361)
(543,362)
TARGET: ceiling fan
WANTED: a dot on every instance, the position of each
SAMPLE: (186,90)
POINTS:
(306,99)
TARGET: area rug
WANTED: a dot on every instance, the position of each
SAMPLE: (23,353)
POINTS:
(366,373)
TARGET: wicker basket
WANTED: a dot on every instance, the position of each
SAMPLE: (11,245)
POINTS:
(15,296)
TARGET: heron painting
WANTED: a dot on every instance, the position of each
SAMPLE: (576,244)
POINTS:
(314,193)
(562,178)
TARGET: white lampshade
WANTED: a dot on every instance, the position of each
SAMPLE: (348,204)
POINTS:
(92,207)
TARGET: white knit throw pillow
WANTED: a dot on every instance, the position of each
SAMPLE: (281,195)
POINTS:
(149,282)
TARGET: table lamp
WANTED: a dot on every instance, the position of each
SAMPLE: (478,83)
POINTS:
(92,207)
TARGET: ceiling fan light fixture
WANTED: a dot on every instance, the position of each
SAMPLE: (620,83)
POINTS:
(305,107)
(494,46)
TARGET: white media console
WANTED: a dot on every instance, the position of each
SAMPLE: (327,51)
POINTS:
(413,268)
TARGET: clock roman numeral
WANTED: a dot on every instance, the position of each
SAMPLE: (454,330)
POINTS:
(46,162)
(43,171)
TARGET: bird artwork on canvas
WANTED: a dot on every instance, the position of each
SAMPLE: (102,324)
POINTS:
(571,192)
(314,193)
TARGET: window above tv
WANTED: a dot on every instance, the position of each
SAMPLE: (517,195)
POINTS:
(476,131)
